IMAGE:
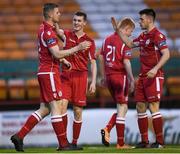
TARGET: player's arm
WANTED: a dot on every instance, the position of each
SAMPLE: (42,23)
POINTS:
(60,32)
(127,65)
(66,62)
(101,68)
(124,38)
(92,87)
(164,58)
(57,53)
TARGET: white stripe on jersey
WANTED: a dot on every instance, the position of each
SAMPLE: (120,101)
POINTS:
(122,48)
(158,83)
(52,82)
(124,83)
(89,55)
(42,40)
(41,73)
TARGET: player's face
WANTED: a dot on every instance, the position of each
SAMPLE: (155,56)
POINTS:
(56,15)
(78,23)
(129,30)
(144,22)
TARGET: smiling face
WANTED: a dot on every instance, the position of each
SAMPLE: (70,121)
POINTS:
(78,23)
(55,14)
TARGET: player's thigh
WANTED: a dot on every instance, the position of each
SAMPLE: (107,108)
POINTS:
(66,85)
(139,91)
(117,85)
(50,87)
(79,88)
(153,88)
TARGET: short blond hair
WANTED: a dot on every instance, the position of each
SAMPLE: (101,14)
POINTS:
(127,22)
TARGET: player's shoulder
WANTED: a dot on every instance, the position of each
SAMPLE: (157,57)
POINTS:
(159,34)
(68,32)
(88,38)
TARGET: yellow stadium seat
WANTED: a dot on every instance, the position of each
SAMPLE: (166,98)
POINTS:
(3,89)
(173,85)
(32,88)
(16,89)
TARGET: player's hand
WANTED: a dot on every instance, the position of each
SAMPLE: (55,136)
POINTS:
(152,73)
(68,64)
(84,45)
(103,82)
(131,86)
(115,24)
(92,88)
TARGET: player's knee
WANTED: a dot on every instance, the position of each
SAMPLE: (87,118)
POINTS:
(154,107)
(141,107)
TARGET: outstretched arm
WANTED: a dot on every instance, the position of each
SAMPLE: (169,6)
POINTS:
(124,38)
(57,53)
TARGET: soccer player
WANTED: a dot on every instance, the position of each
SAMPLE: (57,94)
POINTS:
(49,80)
(75,80)
(154,53)
(117,73)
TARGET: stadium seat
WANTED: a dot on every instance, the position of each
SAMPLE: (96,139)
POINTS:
(3,54)
(16,55)
(173,86)
(3,89)
(16,89)
(32,88)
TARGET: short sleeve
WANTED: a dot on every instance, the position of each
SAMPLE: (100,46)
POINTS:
(127,53)
(160,41)
(50,38)
(92,51)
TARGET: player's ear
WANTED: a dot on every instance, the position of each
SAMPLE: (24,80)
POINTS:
(85,22)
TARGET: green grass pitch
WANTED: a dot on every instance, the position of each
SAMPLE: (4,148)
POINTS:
(98,149)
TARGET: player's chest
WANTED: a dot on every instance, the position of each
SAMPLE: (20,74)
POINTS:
(147,44)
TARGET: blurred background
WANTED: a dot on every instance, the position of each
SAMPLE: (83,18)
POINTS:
(19,22)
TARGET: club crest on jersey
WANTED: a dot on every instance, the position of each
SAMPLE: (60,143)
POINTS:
(49,33)
(147,41)
(60,93)
(160,35)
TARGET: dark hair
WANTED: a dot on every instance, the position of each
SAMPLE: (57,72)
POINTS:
(79,13)
(149,12)
(48,7)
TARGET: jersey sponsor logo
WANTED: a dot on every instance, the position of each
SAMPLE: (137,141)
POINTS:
(162,43)
(51,41)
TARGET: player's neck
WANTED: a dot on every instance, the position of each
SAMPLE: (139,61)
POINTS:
(150,27)
(49,22)
(79,33)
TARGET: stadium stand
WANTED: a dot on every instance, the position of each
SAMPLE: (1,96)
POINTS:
(32,89)
(20,19)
